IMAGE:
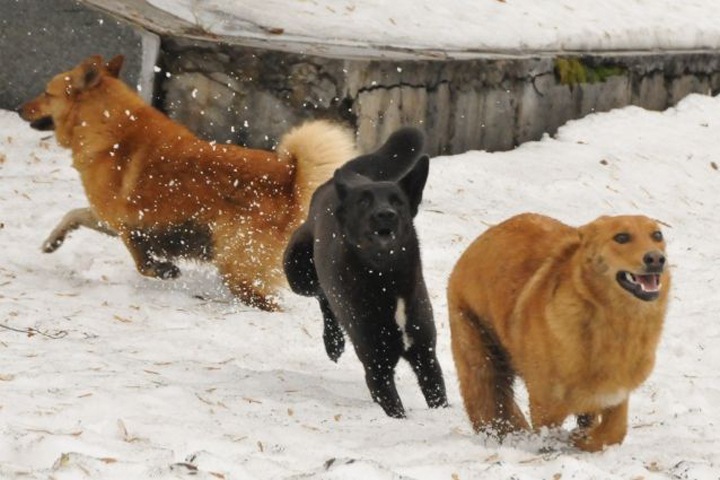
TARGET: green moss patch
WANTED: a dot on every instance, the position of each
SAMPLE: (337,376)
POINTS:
(573,71)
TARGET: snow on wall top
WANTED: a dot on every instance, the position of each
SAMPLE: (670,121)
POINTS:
(475,25)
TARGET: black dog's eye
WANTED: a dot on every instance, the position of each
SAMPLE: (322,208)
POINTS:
(622,238)
(365,200)
(395,201)
(657,236)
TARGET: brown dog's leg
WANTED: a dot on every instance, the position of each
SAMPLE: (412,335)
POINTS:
(611,429)
(251,265)
(74,219)
(250,289)
(140,247)
(486,379)
(250,295)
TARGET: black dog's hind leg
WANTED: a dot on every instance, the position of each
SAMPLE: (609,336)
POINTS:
(332,333)
(299,265)
(427,369)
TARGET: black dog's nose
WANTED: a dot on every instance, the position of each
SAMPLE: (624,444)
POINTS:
(386,215)
(654,259)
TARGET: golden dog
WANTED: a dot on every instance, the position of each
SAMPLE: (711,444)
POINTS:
(169,195)
(575,312)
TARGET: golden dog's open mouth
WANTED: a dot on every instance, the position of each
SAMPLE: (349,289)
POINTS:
(645,286)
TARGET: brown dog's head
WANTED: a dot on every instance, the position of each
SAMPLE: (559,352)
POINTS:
(52,109)
(630,252)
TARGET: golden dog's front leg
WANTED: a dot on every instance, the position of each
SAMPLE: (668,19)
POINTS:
(611,429)
(74,219)
(549,414)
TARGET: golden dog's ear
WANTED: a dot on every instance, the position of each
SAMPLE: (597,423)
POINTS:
(588,234)
(114,65)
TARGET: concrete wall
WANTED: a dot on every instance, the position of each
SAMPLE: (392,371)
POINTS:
(241,91)
(40,38)
(249,95)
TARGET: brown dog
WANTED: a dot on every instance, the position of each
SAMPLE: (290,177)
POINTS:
(575,312)
(169,195)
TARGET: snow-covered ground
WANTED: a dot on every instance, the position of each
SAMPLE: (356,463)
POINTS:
(124,377)
(458,25)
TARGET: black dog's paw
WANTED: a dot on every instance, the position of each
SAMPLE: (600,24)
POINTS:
(438,401)
(334,344)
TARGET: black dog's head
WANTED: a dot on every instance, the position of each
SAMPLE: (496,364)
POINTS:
(376,217)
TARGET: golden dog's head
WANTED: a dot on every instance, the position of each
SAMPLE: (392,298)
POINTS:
(52,109)
(629,251)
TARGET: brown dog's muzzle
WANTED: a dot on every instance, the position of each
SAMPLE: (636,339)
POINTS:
(43,124)
(29,113)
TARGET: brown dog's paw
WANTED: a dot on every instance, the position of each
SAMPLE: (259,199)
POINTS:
(167,270)
(162,270)
(52,243)
(265,303)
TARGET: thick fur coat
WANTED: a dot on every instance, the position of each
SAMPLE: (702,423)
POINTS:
(575,312)
(358,254)
(168,194)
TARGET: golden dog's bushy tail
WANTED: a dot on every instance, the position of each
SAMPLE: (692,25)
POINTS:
(316,148)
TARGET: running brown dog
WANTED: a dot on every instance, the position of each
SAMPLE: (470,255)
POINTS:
(575,312)
(170,195)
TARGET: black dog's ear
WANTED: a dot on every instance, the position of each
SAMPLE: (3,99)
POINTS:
(414,181)
(393,159)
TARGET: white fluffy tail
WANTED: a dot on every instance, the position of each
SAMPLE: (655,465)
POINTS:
(317,148)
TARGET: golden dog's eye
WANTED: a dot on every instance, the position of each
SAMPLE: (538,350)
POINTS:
(622,238)
(657,236)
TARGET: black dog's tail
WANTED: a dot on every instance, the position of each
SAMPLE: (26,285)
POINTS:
(391,161)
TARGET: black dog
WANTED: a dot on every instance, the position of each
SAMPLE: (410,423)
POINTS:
(358,254)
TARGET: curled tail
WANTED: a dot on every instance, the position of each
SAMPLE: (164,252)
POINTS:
(317,148)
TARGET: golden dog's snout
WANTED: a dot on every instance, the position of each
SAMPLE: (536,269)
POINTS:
(654,261)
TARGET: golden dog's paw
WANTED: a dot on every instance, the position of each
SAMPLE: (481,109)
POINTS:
(585,440)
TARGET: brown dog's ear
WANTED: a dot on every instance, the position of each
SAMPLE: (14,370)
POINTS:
(114,66)
(89,73)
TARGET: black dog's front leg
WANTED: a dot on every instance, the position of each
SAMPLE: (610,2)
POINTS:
(427,369)
(382,388)
(332,333)
(379,364)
